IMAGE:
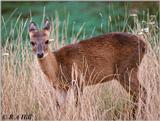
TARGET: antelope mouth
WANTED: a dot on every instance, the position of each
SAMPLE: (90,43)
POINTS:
(42,56)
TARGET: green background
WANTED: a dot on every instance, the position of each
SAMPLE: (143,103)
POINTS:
(99,17)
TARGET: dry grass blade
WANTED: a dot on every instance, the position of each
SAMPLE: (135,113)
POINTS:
(26,90)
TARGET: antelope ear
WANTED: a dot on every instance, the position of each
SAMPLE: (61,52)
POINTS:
(32,27)
(47,25)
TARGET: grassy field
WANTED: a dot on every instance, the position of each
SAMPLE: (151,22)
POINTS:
(25,90)
(96,17)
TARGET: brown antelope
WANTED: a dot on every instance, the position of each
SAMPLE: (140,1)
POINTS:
(115,56)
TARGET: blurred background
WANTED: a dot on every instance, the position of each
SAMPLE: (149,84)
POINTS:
(94,17)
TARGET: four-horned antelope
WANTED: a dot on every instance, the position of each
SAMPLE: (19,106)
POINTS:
(114,56)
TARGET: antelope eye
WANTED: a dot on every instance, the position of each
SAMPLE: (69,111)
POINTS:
(47,42)
(32,43)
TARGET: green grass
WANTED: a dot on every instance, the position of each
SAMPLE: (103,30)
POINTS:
(97,17)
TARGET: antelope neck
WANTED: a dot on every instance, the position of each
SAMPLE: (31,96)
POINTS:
(49,66)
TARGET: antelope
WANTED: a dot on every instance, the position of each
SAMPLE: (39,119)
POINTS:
(116,56)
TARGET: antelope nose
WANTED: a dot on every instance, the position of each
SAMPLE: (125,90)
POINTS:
(40,55)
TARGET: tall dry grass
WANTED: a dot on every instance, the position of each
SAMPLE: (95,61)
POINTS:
(25,89)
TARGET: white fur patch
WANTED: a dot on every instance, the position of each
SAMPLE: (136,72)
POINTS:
(61,96)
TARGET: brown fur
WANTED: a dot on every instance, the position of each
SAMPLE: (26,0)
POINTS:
(113,56)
